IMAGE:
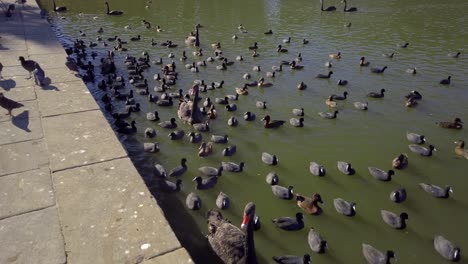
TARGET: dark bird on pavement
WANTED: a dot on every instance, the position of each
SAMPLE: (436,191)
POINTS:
(28,65)
(9,104)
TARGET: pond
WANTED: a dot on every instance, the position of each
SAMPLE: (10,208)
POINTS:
(365,139)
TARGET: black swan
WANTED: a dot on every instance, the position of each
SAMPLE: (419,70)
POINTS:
(113,12)
(229,242)
(351,9)
(330,8)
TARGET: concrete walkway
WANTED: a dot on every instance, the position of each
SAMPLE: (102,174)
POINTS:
(69,193)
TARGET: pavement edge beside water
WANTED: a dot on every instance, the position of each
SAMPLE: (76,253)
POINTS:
(69,192)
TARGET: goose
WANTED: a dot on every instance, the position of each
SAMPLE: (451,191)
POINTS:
(415,138)
(229,151)
(394,220)
(310,204)
(193,201)
(202,127)
(361,106)
(169,124)
(232,121)
(268,123)
(427,152)
(351,9)
(219,139)
(460,149)
(59,8)
(137,38)
(283,192)
(113,12)
(388,55)
(446,81)
(230,243)
(344,207)
(176,135)
(223,201)
(454,54)
(272,178)
(456,124)
(374,256)
(179,170)
(398,196)
(377,94)
(150,132)
(328,115)
(400,162)
(380,174)
(128,130)
(363,62)
(152,116)
(269,159)
(296,122)
(205,149)
(316,242)
(298,111)
(446,248)
(345,168)
(205,183)
(437,191)
(233,167)
(339,97)
(291,259)
(324,76)
(281,49)
(316,169)
(249,116)
(378,70)
(330,8)
(290,223)
(336,56)
(301,86)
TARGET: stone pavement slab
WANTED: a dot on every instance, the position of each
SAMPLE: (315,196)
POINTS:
(59,75)
(69,98)
(50,61)
(22,156)
(20,128)
(16,70)
(19,94)
(37,44)
(30,106)
(79,139)
(16,82)
(179,256)
(114,219)
(10,57)
(32,238)
(25,192)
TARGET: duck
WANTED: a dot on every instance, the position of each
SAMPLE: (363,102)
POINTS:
(269,159)
(290,223)
(256,68)
(159,171)
(169,186)
(254,46)
(223,101)
(339,97)
(394,220)
(220,139)
(398,195)
(446,248)
(301,86)
(316,169)
(268,32)
(423,151)
(361,105)
(328,9)
(310,204)
(351,9)
(380,174)
(374,256)
(239,58)
(316,242)
(456,124)
(128,130)
(460,149)
(229,151)
(231,107)
(233,167)
(205,183)
(249,116)
(411,70)
(179,170)
(437,191)
(290,259)
(298,111)
(283,192)
(271,74)
(363,62)
(176,135)
(137,38)
(377,94)
(268,123)
(169,124)
(297,122)
(336,56)
(446,81)
(345,168)
(152,116)
(59,8)
(414,94)
(415,138)
(193,201)
(262,83)
(113,12)
(344,207)
(378,70)
(242,90)
(454,54)
(223,201)
(272,178)
(305,41)
(233,97)
(324,76)
(400,162)
(403,45)
(342,82)
(281,49)
(202,127)
(388,55)
(195,137)
(328,115)
(150,132)
(232,121)
(205,149)
(230,242)
(294,66)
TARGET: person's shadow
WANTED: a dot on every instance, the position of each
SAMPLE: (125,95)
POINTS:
(21,121)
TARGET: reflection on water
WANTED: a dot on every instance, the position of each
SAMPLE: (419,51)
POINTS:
(363,138)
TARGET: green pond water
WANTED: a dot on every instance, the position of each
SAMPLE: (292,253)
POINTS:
(372,138)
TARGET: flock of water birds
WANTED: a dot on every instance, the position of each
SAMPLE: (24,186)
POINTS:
(233,244)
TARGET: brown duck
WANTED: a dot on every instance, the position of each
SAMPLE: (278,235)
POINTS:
(460,149)
(310,204)
(400,162)
(456,124)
